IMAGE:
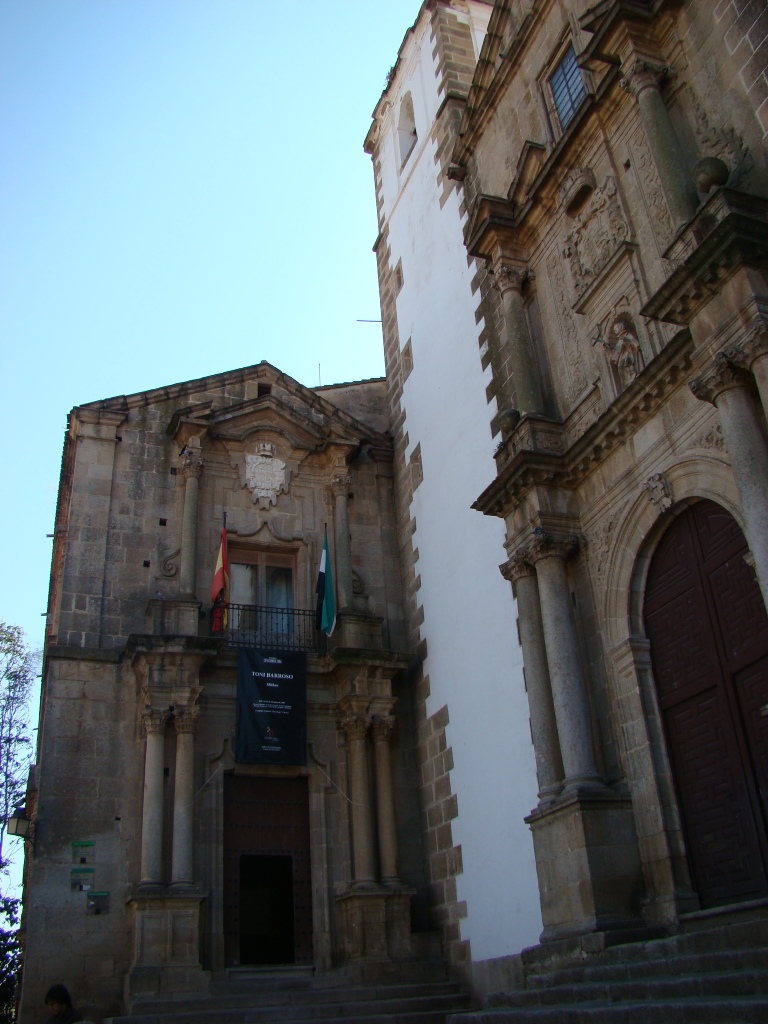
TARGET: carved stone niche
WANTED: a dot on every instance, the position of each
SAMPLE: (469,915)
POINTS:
(617,336)
(576,190)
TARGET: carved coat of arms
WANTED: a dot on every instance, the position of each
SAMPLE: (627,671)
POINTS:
(264,475)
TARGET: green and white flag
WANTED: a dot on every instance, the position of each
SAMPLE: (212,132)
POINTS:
(326,606)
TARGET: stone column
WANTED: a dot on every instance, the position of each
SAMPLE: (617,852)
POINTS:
(184,721)
(728,389)
(549,764)
(152,814)
(355,726)
(509,280)
(751,354)
(340,486)
(381,728)
(569,690)
(191,468)
(643,80)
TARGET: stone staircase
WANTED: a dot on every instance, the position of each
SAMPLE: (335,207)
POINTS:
(258,997)
(710,974)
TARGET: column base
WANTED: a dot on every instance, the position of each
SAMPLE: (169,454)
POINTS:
(375,924)
(588,863)
(166,943)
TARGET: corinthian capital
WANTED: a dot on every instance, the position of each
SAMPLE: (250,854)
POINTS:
(509,276)
(545,545)
(518,566)
(191,464)
(340,484)
(382,726)
(154,720)
(721,376)
(747,351)
(643,74)
(355,726)
(185,719)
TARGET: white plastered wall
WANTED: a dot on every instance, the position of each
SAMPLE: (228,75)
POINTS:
(474,661)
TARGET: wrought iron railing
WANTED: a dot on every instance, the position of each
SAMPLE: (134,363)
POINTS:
(252,625)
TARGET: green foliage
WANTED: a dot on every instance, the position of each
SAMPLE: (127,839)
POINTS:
(18,665)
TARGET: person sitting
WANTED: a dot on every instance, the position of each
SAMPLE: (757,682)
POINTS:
(59,1002)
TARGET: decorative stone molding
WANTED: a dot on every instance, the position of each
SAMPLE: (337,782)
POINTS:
(597,234)
(600,544)
(659,491)
(721,376)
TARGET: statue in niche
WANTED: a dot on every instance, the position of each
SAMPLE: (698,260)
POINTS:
(622,347)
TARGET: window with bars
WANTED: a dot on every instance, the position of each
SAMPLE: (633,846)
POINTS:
(568,89)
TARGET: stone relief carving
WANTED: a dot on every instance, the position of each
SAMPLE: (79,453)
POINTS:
(724,143)
(264,475)
(658,490)
(168,567)
(712,439)
(650,187)
(576,362)
(600,541)
(597,233)
(622,346)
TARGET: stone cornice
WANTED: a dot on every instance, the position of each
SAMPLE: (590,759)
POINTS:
(729,232)
(518,473)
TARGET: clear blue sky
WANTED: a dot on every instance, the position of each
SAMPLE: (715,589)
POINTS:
(182,191)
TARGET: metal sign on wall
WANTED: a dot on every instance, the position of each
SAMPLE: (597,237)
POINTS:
(271,707)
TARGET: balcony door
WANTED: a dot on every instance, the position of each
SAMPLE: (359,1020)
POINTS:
(261,594)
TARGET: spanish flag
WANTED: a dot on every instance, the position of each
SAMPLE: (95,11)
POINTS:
(220,587)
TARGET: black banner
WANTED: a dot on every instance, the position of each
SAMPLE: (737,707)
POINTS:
(271,707)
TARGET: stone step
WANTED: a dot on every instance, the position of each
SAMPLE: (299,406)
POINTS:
(731,1010)
(375,1005)
(735,983)
(700,963)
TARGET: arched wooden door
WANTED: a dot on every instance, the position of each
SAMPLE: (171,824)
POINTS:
(708,630)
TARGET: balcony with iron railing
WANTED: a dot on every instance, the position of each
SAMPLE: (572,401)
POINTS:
(265,627)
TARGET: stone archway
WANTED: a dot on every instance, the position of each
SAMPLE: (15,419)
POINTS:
(708,631)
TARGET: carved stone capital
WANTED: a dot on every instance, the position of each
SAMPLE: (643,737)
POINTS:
(746,352)
(191,465)
(381,727)
(518,566)
(545,545)
(355,726)
(185,719)
(721,376)
(508,277)
(154,720)
(340,485)
(643,74)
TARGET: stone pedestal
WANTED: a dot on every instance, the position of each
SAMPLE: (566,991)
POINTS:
(173,617)
(357,631)
(375,925)
(588,864)
(166,945)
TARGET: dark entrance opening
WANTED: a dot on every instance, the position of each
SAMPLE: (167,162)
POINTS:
(266,910)
(267,871)
(705,619)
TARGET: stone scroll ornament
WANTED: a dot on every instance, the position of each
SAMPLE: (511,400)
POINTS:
(264,475)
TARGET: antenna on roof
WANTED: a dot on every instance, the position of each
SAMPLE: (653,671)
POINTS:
(319,381)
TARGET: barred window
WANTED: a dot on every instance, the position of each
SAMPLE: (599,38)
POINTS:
(568,89)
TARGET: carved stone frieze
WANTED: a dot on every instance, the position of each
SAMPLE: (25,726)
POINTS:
(650,189)
(597,233)
(658,489)
(575,361)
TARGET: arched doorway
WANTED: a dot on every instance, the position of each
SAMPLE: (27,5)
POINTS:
(708,630)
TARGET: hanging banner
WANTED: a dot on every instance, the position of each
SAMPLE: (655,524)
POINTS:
(271,725)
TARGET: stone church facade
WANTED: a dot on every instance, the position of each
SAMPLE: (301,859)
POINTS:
(572,262)
(607,166)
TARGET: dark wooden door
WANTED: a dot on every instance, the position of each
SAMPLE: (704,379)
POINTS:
(267,880)
(706,622)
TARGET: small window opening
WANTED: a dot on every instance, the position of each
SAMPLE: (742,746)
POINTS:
(264,390)
(406,129)
(568,89)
